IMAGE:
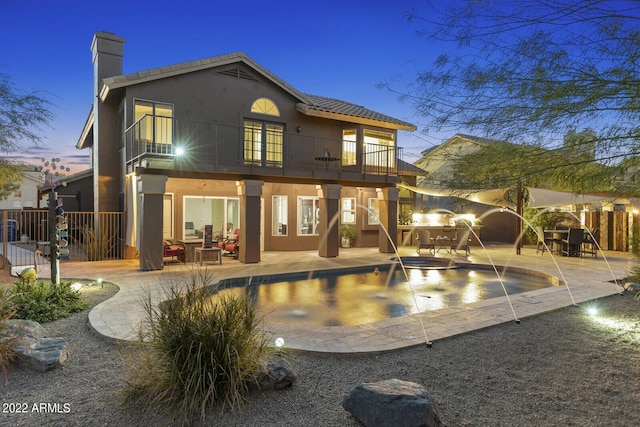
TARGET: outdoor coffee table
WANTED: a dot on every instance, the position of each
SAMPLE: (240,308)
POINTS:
(201,250)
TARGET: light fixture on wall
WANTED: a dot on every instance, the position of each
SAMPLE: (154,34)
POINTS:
(298,129)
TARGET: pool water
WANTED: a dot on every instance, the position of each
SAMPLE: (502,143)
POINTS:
(364,295)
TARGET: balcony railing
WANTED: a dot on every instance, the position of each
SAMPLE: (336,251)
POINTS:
(209,147)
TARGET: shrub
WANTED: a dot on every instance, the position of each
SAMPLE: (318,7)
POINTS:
(7,341)
(44,302)
(348,232)
(194,352)
(95,245)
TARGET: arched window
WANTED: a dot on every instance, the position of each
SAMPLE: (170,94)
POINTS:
(265,106)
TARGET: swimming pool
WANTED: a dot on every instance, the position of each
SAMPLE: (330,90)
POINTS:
(362,295)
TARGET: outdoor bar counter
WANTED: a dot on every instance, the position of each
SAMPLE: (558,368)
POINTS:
(407,233)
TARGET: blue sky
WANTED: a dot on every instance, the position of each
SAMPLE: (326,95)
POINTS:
(332,48)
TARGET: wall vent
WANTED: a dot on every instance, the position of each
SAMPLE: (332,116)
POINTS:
(238,73)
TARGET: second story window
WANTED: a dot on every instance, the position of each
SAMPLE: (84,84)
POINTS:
(379,149)
(154,121)
(265,106)
(348,147)
(263,143)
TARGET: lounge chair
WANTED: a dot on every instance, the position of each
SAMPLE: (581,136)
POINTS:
(231,243)
(425,241)
(174,250)
(461,242)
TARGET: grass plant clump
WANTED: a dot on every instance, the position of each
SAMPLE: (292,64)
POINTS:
(44,302)
(7,341)
(195,352)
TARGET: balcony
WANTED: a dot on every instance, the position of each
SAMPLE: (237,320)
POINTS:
(188,147)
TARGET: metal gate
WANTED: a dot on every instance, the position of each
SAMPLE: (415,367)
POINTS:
(92,236)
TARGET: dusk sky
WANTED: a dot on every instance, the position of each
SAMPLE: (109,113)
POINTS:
(332,48)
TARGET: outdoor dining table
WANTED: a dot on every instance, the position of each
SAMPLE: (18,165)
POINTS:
(557,236)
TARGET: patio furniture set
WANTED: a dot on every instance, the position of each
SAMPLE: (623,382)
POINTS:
(570,242)
(190,250)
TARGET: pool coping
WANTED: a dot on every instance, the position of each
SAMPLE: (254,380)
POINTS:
(119,317)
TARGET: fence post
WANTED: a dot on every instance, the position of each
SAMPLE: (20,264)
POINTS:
(54,209)
(5,233)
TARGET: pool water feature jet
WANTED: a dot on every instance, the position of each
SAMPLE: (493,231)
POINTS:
(495,269)
(404,270)
(618,287)
(553,258)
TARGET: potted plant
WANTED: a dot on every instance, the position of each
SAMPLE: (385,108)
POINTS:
(348,235)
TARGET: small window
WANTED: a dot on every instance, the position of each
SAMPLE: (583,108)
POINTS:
(17,194)
(373,212)
(279,216)
(348,210)
(265,106)
(308,215)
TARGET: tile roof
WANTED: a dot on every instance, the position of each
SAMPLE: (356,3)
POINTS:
(344,108)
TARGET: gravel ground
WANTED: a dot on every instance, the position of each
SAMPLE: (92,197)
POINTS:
(558,369)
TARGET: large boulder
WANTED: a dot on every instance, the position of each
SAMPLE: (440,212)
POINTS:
(392,402)
(33,347)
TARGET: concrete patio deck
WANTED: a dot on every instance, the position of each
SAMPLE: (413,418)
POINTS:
(588,278)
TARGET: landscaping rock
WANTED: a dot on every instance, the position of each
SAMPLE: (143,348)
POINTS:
(278,375)
(32,346)
(632,287)
(392,402)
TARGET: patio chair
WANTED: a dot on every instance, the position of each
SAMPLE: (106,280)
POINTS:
(461,242)
(231,243)
(572,244)
(425,241)
(590,242)
(174,250)
(544,243)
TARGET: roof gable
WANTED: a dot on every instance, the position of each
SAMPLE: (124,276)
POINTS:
(311,105)
(110,84)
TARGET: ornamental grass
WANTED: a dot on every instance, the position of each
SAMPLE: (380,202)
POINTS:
(7,341)
(195,352)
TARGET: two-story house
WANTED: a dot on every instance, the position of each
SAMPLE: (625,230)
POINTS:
(224,142)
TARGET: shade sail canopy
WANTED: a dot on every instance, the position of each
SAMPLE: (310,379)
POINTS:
(487,197)
(541,198)
(538,197)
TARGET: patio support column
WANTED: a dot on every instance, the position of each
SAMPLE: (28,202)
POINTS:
(250,192)
(329,195)
(388,214)
(151,190)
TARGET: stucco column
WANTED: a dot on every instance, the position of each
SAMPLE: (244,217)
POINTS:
(151,190)
(388,213)
(329,195)
(250,192)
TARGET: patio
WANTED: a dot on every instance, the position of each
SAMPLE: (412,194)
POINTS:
(588,279)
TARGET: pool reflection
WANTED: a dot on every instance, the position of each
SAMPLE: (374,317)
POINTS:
(355,298)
